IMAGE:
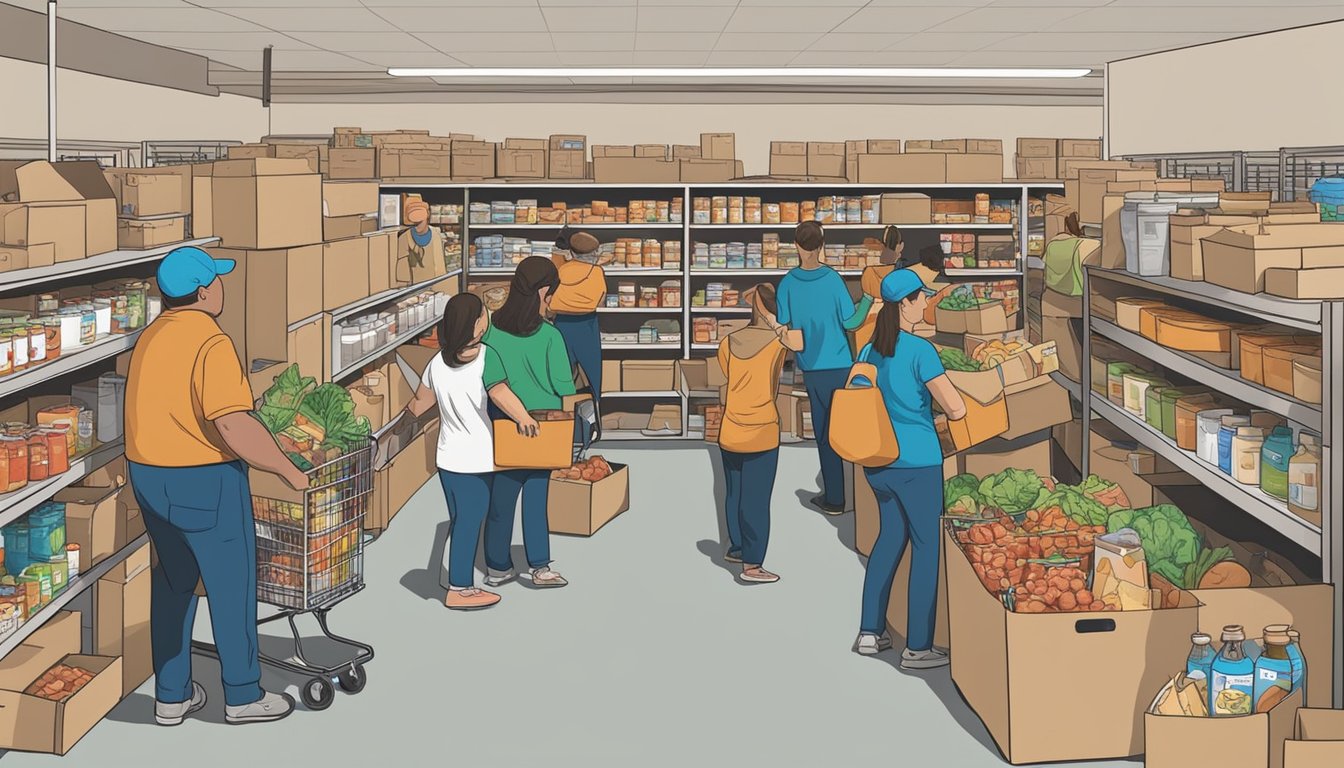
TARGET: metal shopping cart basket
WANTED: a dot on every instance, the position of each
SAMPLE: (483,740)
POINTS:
(310,556)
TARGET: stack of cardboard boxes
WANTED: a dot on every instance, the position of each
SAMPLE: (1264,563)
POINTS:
(1051,159)
(54,212)
(715,160)
(153,205)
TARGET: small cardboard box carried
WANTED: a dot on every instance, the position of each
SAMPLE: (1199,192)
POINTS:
(582,507)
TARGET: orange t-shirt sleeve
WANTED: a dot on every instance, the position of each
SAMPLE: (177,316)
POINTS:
(221,387)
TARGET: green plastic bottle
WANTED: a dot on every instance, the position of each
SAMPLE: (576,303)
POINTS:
(1275,455)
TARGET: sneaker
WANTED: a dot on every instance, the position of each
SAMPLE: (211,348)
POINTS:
(174,714)
(930,659)
(269,708)
(545,578)
(470,599)
(871,645)
(495,578)
(758,575)
(826,507)
(733,556)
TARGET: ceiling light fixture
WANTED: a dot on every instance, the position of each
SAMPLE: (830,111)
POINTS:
(736,72)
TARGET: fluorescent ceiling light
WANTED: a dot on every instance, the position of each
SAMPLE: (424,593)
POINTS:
(734,72)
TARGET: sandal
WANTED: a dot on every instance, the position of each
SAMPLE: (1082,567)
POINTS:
(758,575)
(469,599)
(545,578)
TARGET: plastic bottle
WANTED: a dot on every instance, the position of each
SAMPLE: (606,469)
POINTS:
(1304,473)
(1299,662)
(1273,670)
(1199,664)
(1226,432)
(1275,454)
(1232,685)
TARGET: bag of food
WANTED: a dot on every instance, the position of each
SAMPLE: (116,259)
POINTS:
(1120,572)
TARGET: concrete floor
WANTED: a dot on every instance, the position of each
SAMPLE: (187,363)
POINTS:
(653,656)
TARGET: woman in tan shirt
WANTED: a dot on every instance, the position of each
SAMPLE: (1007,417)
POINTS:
(752,359)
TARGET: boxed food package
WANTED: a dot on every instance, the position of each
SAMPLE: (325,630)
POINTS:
(567,157)
(579,506)
(35,722)
(266,203)
(1317,740)
(788,158)
(139,234)
(906,208)
(718,146)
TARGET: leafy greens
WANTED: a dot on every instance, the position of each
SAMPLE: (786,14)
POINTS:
(1169,542)
(1013,490)
(331,408)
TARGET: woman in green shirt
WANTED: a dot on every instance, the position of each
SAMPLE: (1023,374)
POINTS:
(530,355)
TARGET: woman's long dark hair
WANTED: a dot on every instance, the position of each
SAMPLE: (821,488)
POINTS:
(889,326)
(521,313)
(458,327)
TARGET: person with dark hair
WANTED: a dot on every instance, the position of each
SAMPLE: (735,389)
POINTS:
(752,359)
(583,285)
(927,264)
(530,355)
(909,491)
(814,300)
(455,380)
(190,437)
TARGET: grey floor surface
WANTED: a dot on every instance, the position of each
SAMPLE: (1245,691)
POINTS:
(653,656)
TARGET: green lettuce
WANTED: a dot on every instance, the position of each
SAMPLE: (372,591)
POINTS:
(331,408)
(281,401)
(1077,505)
(1013,490)
(1170,544)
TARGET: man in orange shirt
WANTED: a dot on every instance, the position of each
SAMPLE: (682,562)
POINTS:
(583,286)
(190,436)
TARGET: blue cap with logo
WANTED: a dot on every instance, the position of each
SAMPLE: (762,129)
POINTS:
(901,283)
(185,269)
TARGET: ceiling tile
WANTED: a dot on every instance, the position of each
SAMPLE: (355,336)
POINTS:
(597,58)
(1049,3)
(696,3)
(676,41)
(671,58)
(512,59)
(837,4)
(386,59)
(310,19)
(854,41)
(590,19)
(769,58)
(683,19)
(901,20)
(223,41)
(156,19)
(1094,59)
(1231,20)
(1100,41)
(473,19)
(455,42)
(951,41)
(314,61)
(778,41)
(594,41)
(1005,20)
(874,59)
(756,20)
(364,41)
(237,3)
(433,4)
(587,3)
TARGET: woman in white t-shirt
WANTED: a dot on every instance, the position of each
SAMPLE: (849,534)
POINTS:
(465,454)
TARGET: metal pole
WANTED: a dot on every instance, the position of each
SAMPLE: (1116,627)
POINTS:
(266,76)
(51,81)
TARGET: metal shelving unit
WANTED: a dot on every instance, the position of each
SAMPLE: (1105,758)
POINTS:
(108,346)
(855,226)
(387,297)
(557,227)
(103,262)
(19,503)
(343,372)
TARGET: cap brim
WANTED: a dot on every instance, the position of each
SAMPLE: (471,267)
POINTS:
(929,291)
(224,266)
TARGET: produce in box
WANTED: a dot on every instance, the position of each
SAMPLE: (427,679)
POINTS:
(59,683)
(313,424)
(594,469)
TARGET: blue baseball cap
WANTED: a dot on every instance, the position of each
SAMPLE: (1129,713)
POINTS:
(901,283)
(185,269)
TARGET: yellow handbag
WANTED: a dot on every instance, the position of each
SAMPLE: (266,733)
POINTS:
(860,430)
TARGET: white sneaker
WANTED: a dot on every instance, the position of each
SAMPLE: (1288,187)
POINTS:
(871,645)
(174,714)
(930,659)
(269,708)
(495,578)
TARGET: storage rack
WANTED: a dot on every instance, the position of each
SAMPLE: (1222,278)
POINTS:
(1300,167)
(1323,542)
(158,153)
(1020,191)
(109,154)
(1241,171)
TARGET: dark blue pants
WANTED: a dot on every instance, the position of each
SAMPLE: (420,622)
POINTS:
(909,503)
(468,499)
(821,387)
(584,342)
(749,481)
(200,520)
(532,485)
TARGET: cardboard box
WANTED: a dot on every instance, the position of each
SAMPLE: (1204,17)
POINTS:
(349,198)
(826,158)
(78,188)
(1321,283)
(1037,147)
(902,169)
(308,345)
(1080,148)
(250,151)
(993,456)
(709,171)
(354,163)
(59,636)
(122,626)
(608,170)
(428,161)
(518,162)
(1318,740)
(611,376)
(788,158)
(906,208)
(986,408)
(971,146)
(1092,188)
(568,157)
(647,375)
(61,226)
(984,319)
(90,521)
(654,151)
(1250,741)
(382,247)
(1035,405)
(271,290)
(343,227)
(473,160)
(144,192)
(718,146)
(32,724)
(1036,167)
(1069,166)
(309,153)
(401,478)
(1239,258)
(613,150)
(975,169)
(345,272)
(266,204)
(581,508)
(686,152)
(14,257)
(1003,660)
(139,234)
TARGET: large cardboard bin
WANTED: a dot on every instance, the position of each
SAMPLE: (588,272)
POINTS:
(581,508)
(1250,741)
(1318,740)
(33,724)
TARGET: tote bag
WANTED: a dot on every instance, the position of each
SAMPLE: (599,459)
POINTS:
(860,429)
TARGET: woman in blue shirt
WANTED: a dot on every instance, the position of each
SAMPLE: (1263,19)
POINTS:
(909,491)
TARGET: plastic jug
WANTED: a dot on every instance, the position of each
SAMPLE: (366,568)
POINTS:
(1232,685)
(1328,193)
(1275,455)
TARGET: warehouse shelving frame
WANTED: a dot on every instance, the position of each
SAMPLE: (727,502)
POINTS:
(1327,419)
(487,191)
(1242,171)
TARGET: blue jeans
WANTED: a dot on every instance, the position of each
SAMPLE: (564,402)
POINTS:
(200,521)
(821,387)
(749,481)
(532,484)
(468,498)
(909,503)
(583,340)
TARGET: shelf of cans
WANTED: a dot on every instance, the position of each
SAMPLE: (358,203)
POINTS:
(774,252)
(531,212)
(628,295)
(38,565)
(844,209)
(659,332)
(493,252)
(969,251)
(364,335)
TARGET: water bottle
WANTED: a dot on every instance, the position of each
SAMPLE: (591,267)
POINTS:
(1273,670)
(1299,663)
(1199,664)
(1232,683)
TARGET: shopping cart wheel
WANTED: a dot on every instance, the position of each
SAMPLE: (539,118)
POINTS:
(318,693)
(352,680)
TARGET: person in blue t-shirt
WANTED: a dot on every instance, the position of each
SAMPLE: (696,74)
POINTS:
(812,298)
(909,491)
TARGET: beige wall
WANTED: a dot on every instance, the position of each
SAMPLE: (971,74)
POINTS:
(1254,93)
(93,108)
(756,125)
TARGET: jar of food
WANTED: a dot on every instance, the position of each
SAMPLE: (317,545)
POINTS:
(1184,415)
(1246,447)
(136,294)
(37,344)
(6,353)
(48,303)
(153,308)
(58,449)
(14,428)
(16,451)
(72,321)
(39,467)
(648,296)
(670,294)
(102,316)
(1304,478)
(72,560)
(20,349)
(351,348)
(51,328)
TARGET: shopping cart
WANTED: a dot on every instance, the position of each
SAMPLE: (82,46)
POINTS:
(310,556)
